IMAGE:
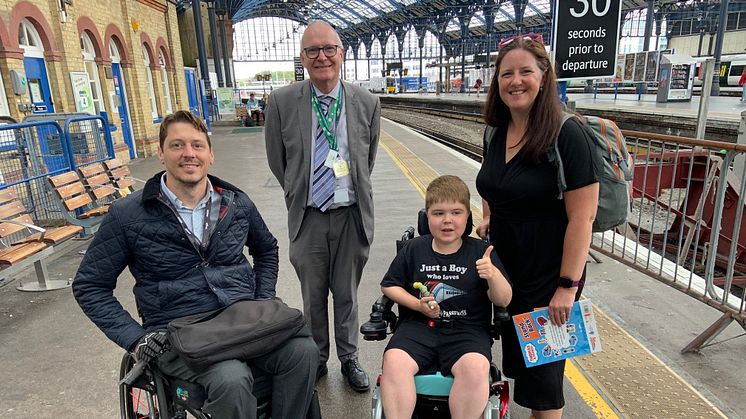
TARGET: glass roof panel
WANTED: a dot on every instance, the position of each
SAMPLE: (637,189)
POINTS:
(453,25)
(505,13)
(364,9)
(336,11)
(384,6)
(541,5)
(407,2)
(477,19)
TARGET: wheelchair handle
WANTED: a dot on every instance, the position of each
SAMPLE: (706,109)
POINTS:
(134,373)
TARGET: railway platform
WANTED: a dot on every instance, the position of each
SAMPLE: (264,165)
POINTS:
(55,362)
(643,114)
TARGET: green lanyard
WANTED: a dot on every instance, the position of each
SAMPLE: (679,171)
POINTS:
(332,117)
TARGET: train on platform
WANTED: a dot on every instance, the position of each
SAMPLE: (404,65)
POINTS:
(731,68)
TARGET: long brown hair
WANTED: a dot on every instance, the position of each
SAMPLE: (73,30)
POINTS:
(545,116)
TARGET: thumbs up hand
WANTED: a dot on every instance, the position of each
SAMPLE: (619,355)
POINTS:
(485,268)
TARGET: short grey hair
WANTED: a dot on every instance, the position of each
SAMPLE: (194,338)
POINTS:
(319,22)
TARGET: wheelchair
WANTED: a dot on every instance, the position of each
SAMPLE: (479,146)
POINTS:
(145,392)
(433,389)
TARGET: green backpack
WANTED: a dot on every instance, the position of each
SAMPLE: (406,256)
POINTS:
(613,197)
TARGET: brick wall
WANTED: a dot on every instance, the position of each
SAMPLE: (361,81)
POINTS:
(131,23)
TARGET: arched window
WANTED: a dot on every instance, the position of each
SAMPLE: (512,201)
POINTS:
(164,82)
(114,52)
(89,56)
(29,40)
(4,111)
(149,82)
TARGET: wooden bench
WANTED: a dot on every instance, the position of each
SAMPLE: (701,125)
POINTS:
(76,203)
(23,243)
(98,183)
(120,174)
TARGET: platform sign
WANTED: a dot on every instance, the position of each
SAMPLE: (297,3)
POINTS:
(81,88)
(586,37)
(299,75)
(225,101)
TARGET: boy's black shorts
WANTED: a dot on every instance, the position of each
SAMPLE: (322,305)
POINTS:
(437,349)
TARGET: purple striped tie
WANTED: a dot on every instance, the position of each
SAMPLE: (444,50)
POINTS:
(323,177)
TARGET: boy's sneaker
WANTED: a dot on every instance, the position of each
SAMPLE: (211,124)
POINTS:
(357,378)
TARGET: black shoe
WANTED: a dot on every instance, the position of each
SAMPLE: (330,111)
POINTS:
(321,370)
(356,376)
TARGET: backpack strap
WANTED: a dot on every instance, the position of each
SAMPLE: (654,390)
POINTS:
(554,157)
(489,132)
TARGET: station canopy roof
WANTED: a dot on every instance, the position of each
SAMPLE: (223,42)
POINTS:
(362,20)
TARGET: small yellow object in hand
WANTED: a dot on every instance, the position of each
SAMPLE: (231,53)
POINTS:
(425,293)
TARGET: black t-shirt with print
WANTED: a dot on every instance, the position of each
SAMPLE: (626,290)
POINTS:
(452,279)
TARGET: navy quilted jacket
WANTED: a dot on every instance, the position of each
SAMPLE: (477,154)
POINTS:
(172,278)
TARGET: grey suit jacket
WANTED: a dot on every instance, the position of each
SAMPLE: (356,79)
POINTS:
(287,136)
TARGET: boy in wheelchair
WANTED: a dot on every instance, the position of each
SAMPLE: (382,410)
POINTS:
(447,331)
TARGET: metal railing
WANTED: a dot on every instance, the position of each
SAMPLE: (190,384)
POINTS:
(32,150)
(685,226)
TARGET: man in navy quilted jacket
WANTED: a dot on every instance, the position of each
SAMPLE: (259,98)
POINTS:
(182,237)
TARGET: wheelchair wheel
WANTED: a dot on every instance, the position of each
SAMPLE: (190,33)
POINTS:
(494,406)
(376,404)
(136,402)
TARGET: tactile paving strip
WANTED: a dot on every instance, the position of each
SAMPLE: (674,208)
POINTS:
(416,170)
(636,382)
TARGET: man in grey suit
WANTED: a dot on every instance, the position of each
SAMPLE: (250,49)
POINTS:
(321,137)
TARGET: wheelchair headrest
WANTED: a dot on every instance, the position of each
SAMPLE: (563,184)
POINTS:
(423,228)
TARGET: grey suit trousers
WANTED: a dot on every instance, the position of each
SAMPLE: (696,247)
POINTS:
(329,254)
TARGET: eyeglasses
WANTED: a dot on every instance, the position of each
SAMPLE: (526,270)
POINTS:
(313,52)
(533,37)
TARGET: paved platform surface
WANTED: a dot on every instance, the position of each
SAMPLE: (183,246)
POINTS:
(54,363)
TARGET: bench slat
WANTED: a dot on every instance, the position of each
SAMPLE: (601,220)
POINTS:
(112,164)
(64,179)
(125,183)
(8,194)
(99,179)
(120,172)
(55,236)
(70,190)
(6,229)
(77,202)
(95,212)
(103,191)
(91,170)
(11,209)
(17,253)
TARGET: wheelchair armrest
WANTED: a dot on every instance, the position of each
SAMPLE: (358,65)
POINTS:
(500,315)
(382,318)
(382,304)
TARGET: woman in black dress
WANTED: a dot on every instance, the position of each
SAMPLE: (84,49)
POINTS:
(543,241)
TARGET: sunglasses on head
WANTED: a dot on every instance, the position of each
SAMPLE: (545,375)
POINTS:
(533,37)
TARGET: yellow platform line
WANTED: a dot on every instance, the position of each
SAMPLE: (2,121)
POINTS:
(592,398)
(419,173)
(586,374)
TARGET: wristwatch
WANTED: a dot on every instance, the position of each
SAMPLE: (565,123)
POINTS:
(565,282)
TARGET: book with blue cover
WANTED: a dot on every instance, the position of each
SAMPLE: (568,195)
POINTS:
(543,342)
